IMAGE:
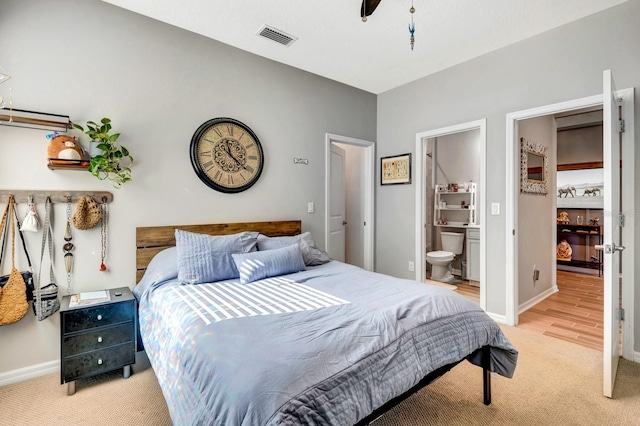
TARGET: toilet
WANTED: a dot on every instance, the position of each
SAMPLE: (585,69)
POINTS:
(440,260)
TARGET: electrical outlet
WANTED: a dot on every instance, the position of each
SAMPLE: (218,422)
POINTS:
(412,266)
(311,208)
(495,208)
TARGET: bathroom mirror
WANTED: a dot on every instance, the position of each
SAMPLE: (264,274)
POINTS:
(534,167)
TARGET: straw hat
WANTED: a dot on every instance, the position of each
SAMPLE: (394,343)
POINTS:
(88,213)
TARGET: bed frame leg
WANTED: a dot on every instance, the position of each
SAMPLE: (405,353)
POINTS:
(486,374)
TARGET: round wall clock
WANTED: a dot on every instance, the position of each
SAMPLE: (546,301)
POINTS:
(226,155)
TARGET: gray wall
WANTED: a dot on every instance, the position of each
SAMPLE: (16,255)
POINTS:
(560,65)
(580,145)
(158,83)
(536,217)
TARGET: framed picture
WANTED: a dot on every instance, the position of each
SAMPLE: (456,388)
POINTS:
(583,189)
(395,170)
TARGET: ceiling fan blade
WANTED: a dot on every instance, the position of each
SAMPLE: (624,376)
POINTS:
(368,7)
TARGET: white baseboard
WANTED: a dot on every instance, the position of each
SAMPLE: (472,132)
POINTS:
(539,298)
(636,357)
(30,372)
(500,319)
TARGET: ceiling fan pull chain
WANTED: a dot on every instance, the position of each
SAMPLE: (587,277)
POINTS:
(412,26)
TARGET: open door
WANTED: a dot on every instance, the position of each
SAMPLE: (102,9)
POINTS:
(611,239)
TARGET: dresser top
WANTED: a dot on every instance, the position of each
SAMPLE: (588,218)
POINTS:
(125,295)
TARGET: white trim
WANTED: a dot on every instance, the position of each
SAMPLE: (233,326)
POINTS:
(421,214)
(539,298)
(628,232)
(31,372)
(500,319)
(628,197)
(636,357)
(369,174)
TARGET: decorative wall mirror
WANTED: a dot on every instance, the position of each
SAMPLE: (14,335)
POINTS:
(534,167)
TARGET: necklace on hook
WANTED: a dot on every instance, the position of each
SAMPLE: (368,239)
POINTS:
(68,247)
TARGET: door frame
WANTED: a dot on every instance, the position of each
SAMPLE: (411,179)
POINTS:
(421,204)
(628,196)
(368,204)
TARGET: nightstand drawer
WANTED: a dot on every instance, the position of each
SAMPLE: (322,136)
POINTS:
(98,361)
(98,339)
(86,318)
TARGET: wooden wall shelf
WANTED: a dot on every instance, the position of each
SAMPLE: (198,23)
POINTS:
(59,164)
(34,120)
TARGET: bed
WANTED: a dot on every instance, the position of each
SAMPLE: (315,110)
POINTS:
(327,344)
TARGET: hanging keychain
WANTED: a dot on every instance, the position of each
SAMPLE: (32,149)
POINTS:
(31,222)
(68,247)
(103,234)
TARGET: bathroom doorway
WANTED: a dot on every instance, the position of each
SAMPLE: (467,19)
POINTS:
(447,158)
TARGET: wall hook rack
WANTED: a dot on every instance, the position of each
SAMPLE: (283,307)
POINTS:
(40,196)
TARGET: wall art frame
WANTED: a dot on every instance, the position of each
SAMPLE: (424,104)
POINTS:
(395,170)
(534,167)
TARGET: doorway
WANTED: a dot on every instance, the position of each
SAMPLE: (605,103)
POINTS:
(564,296)
(618,125)
(425,197)
(349,195)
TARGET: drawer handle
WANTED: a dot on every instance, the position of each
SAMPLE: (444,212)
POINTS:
(99,361)
(99,339)
(99,317)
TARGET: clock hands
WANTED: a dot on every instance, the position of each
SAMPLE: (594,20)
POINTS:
(228,151)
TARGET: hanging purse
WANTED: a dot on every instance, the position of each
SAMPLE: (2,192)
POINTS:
(30,222)
(27,276)
(13,298)
(45,299)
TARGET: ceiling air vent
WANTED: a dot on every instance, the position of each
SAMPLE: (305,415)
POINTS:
(276,35)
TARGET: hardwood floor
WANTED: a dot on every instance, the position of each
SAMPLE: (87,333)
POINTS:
(574,313)
(469,291)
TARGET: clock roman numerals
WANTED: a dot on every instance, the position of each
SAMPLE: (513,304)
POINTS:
(208,165)
(218,132)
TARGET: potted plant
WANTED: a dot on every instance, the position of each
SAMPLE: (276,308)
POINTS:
(114,162)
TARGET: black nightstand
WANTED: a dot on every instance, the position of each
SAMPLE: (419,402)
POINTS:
(97,338)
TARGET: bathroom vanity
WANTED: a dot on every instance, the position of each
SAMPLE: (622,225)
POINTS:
(472,249)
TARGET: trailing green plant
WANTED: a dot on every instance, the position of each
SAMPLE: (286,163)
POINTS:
(115,161)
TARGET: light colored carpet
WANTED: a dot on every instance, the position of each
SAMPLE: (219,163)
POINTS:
(555,383)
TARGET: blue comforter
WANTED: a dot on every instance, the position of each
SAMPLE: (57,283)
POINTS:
(324,346)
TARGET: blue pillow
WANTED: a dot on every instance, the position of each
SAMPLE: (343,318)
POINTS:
(163,267)
(263,264)
(207,258)
(312,255)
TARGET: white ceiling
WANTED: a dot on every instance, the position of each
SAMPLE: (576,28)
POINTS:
(374,56)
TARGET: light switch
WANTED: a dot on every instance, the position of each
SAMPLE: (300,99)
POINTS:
(311,208)
(495,208)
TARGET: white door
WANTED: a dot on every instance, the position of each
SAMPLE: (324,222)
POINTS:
(611,234)
(337,214)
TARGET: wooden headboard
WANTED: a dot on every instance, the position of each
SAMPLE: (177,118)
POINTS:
(151,240)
